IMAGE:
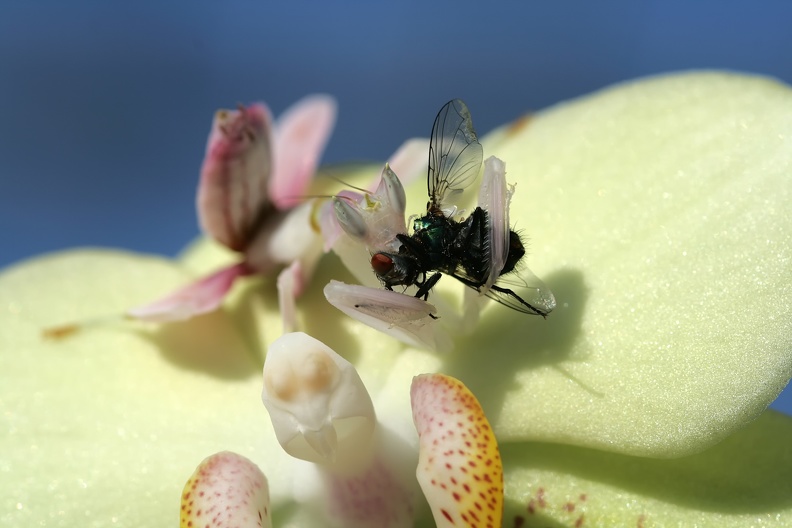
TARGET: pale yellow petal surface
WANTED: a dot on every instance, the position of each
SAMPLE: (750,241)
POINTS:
(744,481)
(103,427)
(659,214)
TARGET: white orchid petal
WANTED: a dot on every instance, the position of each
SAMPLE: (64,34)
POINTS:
(319,407)
(226,490)
(459,465)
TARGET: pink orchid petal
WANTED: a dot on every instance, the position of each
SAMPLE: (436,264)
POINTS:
(494,198)
(202,296)
(232,194)
(404,317)
(411,160)
(226,490)
(459,465)
(300,137)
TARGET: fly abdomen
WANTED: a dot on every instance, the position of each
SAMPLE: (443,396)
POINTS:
(470,246)
(516,253)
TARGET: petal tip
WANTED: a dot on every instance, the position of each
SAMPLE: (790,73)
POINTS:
(226,489)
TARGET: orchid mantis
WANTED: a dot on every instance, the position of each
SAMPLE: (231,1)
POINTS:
(251,193)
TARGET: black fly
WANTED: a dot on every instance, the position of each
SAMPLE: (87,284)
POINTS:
(476,250)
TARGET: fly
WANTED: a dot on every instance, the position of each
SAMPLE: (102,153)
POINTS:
(477,250)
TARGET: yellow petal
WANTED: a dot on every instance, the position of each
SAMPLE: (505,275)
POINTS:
(657,212)
(745,480)
(102,427)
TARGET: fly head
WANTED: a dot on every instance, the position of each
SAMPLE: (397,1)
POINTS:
(395,270)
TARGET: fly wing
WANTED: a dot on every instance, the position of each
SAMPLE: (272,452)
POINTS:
(232,193)
(526,294)
(494,198)
(522,291)
(454,153)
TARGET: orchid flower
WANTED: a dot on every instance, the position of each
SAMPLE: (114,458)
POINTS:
(657,213)
(322,413)
(250,198)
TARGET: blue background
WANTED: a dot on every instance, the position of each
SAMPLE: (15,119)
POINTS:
(105,106)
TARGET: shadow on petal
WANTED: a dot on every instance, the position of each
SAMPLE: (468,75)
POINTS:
(247,310)
(322,320)
(507,342)
(208,343)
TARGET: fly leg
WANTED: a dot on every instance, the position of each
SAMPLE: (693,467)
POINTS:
(425,286)
(529,308)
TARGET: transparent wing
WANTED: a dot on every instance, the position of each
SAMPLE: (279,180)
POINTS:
(454,153)
(522,291)
(525,293)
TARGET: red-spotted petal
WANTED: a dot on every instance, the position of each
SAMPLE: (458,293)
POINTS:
(459,466)
(226,490)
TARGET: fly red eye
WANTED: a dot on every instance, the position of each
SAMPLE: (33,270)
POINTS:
(381,263)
